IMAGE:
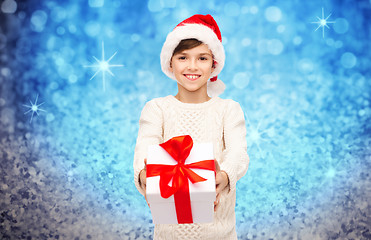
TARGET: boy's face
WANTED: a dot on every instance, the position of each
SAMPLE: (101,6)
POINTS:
(192,68)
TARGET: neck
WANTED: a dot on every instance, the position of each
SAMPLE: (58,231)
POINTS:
(192,97)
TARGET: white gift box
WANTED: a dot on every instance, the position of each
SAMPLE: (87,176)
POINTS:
(202,194)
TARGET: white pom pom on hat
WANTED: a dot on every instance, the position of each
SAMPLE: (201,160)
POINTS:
(205,29)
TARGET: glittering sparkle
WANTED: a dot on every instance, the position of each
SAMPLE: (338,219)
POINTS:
(322,23)
(34,108)
(256,135)
(103,66)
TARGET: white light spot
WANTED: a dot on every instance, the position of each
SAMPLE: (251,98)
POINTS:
(338,44)
(92,28)
(331,173)
(53,85)
(254,135)
(322,22)
(103,65)
(38,20)
(341,25)
(330,42)
(5,72)
(49,118)
(273,14)
(58,14)
(275,47)
(9,6)
(306,66)
(61,30)
(34,108)
(135,37)
(348,60)
(297,40)
(232,9)
(21,15)
(246,42)
(155,5)
(361,112)
(96,3)
(72,28)
(72,78)
(254,9)
(281,28)
(241,80)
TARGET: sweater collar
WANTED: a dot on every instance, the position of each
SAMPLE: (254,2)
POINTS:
(180,104)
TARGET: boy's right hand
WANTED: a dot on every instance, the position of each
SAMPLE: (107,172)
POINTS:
(143,178)
(143,175)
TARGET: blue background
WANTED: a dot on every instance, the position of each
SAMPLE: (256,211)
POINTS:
(67,173)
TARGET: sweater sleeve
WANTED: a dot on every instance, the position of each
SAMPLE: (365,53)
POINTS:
(150,133)
(235,159)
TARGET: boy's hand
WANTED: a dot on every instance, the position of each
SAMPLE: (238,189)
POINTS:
(143,179)
(221,182)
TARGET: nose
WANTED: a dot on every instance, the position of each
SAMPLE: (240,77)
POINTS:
(192,64)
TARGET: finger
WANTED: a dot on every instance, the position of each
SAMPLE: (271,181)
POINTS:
(221,185)
(217,202)
(145,163)
(217,190)
(216,205)
(218,178)
(218,183)
(143,186)
(220,188)
(143,178)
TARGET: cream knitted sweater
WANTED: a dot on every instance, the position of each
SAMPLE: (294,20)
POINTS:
(218,121)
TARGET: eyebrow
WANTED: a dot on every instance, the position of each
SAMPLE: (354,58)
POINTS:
(201,54)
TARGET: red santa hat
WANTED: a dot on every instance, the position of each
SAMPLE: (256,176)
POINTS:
(205,29)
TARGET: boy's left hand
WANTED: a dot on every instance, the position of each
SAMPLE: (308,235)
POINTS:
(221,182)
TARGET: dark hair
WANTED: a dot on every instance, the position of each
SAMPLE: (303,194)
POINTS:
(186,44)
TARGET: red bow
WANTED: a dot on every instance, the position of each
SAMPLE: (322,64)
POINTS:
(179,149)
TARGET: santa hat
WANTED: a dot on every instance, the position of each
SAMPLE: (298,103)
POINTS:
(205,29)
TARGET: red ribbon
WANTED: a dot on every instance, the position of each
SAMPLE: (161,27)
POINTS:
(179,149)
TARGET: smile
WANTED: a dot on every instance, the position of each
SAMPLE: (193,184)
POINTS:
(192,76)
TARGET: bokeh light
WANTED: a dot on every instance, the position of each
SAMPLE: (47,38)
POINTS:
(67,174)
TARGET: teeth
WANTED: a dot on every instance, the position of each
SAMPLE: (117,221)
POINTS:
(192,76)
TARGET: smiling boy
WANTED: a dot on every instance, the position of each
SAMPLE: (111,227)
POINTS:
(193,56)
(192,69)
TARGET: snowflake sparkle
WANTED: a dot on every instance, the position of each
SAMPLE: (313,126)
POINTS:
(322,22)
(34,107)
(256,135)
(103,66)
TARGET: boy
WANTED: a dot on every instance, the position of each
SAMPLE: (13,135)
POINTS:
(193,56)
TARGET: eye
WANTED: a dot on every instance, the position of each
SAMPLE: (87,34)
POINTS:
(182,58)
(203,58)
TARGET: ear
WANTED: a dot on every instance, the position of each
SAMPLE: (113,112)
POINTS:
(171,65)
(214,65)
